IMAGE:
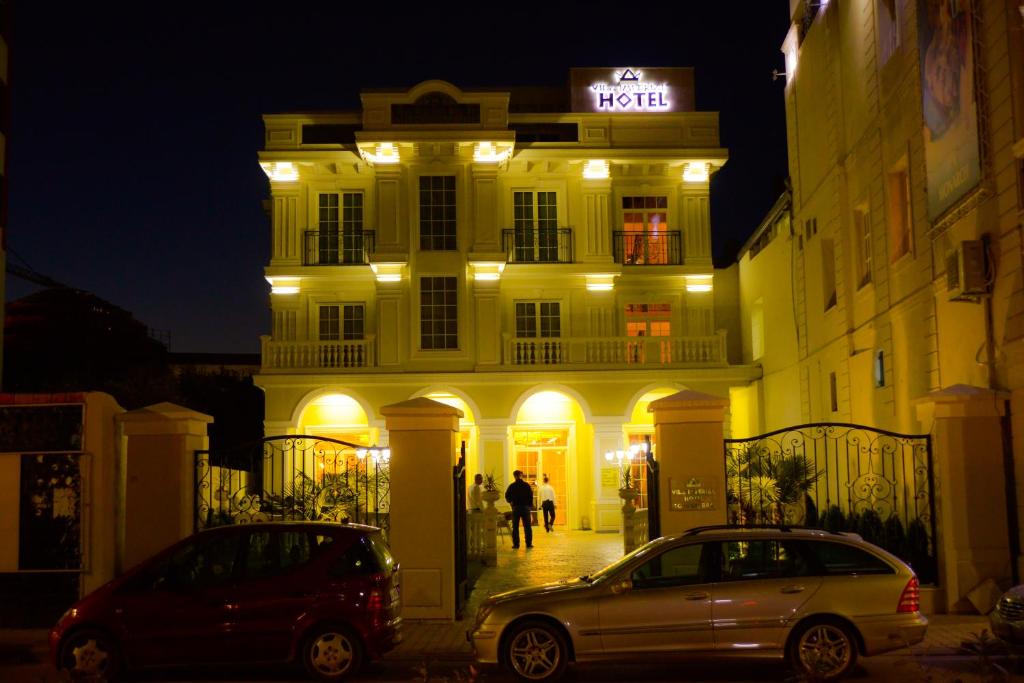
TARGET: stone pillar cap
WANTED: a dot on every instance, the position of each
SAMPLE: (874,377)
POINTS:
(962,393)
(164,411)
(688,399)
(420,406)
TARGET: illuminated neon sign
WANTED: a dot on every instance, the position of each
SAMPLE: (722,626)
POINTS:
(630,92)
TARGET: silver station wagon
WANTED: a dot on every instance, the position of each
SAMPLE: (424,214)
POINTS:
(816,598)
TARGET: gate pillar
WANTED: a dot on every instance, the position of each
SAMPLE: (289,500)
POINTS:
(423,441)
(688,427)
(970,489)
(159,486)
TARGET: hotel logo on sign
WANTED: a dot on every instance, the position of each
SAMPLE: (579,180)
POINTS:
(631,92)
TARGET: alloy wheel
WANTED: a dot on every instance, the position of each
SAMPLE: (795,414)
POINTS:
(535,653)
(825,650)
(332,654)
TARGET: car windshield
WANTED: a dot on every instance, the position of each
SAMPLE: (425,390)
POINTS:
(613,569)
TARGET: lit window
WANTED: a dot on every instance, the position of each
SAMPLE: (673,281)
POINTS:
(900,224)
(645,238)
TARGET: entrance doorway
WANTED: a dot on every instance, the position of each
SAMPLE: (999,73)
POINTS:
(539,452)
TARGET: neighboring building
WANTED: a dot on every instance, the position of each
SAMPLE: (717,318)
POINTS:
(897,271)
(539,258)
(5,127)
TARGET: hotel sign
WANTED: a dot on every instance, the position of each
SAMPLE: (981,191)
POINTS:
(632,89)
(697,494)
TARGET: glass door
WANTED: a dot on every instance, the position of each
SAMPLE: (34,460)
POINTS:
(539,452)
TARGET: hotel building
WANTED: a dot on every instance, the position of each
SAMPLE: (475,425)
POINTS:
(539,258)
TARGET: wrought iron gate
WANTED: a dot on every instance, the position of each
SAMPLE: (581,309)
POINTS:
(293,477)
(840,477)
(460,531)
(653,496)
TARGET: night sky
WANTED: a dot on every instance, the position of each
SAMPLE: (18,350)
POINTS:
(135,128)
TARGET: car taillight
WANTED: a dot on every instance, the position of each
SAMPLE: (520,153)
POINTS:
(910,599)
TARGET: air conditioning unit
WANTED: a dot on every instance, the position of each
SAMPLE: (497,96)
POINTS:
(966,274)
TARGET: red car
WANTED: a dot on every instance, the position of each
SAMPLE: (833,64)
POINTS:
(325,595)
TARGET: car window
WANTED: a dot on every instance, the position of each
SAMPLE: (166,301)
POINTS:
(270,553)
(679,566)
(358,559)
(763,559)
(208,562)
(842,559)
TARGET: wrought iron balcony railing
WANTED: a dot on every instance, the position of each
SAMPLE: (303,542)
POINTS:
(329,248)
(647,247)
(538,245)
(628,352)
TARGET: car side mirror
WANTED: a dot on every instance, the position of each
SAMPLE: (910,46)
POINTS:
(623,586)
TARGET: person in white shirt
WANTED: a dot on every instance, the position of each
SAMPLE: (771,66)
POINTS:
(476,493)
(546,492)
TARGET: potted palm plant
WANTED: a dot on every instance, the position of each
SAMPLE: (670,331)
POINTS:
(491,490)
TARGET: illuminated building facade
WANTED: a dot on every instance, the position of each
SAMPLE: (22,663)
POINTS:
(896,271)
(539,258)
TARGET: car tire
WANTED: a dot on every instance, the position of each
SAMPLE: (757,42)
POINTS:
(823,649)
(535,650)
(90,654)
(332,653)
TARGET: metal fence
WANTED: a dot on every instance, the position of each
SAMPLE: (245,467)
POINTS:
(293,478)
(840,477)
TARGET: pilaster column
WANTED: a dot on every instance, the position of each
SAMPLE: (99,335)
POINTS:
(286,234)
(392,324)
(595,236)
(493,448)
(392,225)
(606,510)
(689,431)
(487,318)
(695,223)
(485,230)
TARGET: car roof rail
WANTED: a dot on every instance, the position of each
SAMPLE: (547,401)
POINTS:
(774,527)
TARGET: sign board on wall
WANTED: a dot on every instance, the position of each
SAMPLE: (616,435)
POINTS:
(951,148)
(609,480)
(692,494)
(622,90)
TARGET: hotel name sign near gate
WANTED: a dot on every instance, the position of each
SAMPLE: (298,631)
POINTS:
(693,493)
(632,89)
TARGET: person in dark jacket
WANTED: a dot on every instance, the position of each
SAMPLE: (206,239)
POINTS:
(520,496)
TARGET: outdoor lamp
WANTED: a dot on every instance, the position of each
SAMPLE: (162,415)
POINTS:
(361,453)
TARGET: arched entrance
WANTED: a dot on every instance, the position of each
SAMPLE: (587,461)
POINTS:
(638,429)
(548,437)
(338,416)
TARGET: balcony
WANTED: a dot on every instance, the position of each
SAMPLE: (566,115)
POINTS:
(344,355)
(624,352)
(648,248)
(537,245)
(328,248)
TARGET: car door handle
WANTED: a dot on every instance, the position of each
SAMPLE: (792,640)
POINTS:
(792,589)
(695,596)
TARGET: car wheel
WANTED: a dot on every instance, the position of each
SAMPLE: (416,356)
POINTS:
(536,651)
(332,653)
(90,654)
(823,650)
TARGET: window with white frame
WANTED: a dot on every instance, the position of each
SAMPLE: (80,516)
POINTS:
(439,313)
(535,226)
(437,213)
(538,319)
(330,322)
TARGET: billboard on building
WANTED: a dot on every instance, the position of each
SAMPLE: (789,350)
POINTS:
(621,90)
(952,157)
